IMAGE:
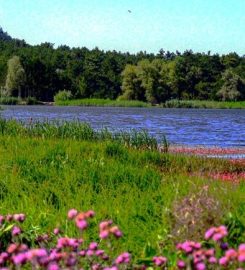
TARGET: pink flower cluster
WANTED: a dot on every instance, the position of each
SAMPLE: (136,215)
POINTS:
(159,260)
(80,218)
(106,229)
(233,177)
(216,233)
(233,255)
(201,258)
(57,252)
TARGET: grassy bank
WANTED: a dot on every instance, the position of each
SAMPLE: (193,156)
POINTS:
(102,102)
(18,101)
(204,104)
(45,175)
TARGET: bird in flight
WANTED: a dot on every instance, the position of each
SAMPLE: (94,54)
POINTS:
(129,11)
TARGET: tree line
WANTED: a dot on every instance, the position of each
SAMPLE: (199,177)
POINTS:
(41,71)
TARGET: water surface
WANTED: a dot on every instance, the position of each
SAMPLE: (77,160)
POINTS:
(207,127)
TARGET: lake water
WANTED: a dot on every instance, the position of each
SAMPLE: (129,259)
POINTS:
(207,127)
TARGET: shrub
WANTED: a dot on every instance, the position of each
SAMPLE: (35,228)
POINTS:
(63,96)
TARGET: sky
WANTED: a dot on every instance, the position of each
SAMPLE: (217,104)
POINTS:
(201,25)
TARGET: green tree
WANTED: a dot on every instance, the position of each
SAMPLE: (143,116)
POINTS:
(233,87)
(16,77)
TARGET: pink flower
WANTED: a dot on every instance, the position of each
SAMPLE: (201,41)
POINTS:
(72,213)
(19,217)
(200,266)
(123,258)
(93,246)
(209,233)
(81,224)
(56,231)
(16,231)
(105,224)
(231,254)
(53,266)
(104,234)
(223,261)
(217,237)
(1,220)
(19,258)
(90,214)
(99,252)
(212,260)
(159,261)
(181,264)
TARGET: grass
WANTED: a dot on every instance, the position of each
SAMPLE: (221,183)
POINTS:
(102,103)
(207,104)
(18,101)
(43,174)
(204,104)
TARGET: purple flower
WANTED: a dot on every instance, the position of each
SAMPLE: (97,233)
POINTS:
(16,231)
(19,258)
(159,261)
(93,246)
(181,265)
(53,266)
(81,224)
(209,233)
(212,260)
(223,261)
(200,266)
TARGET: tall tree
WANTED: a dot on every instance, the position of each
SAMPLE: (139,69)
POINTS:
(15,77)
(233,87)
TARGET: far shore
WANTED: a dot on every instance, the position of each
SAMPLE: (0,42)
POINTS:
(94,102)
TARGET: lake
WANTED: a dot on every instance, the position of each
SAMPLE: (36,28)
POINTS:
(207,127)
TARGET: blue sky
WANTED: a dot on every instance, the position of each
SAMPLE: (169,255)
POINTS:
(200,25)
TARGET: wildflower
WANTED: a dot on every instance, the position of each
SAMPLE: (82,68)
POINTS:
(231,254)
(53,266)
(159,261)
(209,233)
(223,261)
(12,248)
(181,265)
(16,231)
(104,234)
(99,252)
(212,260)
(19,217)
(93,246)
(1,220)
(56,231)
(89,214)
(81,224)
(20,258)
(200,266)
(72,213)
(241,253)
(123,258)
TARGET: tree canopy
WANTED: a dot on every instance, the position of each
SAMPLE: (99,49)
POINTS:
(96,73)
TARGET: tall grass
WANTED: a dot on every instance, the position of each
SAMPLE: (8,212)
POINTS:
(204,104)
(77,131)
(102,103)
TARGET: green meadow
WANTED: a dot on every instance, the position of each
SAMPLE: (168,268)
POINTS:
(44,172)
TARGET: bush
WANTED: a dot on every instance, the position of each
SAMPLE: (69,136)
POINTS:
(63,96)
(31,101)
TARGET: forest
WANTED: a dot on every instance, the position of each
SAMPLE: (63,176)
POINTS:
(41,71)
